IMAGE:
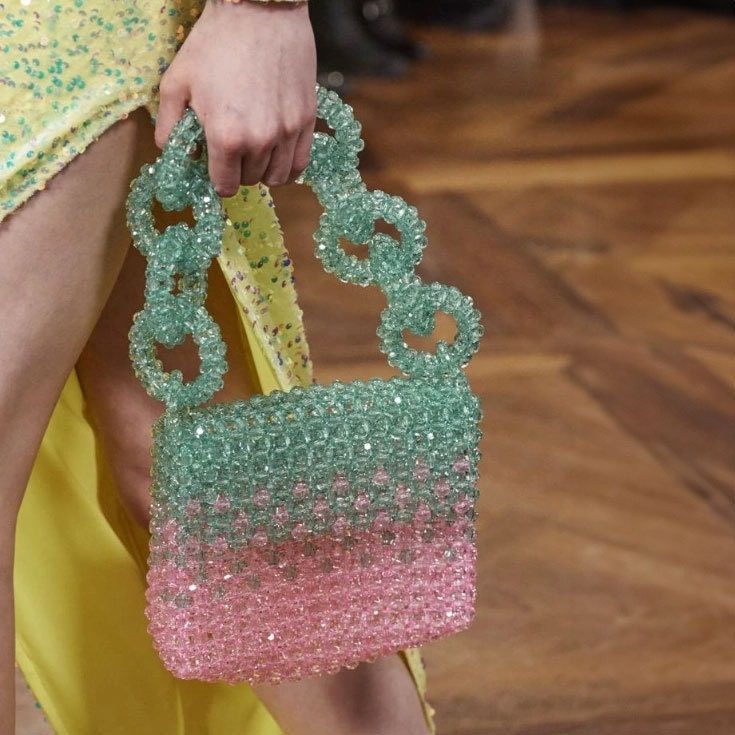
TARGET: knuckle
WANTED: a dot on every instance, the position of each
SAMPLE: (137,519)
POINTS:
(227,136)
(262,140)
(168,86)
(229,142)
(291,128)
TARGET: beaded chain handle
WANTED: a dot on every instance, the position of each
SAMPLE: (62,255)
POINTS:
(179,258)
(301,531)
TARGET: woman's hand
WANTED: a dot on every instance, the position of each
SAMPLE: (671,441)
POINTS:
(249,72)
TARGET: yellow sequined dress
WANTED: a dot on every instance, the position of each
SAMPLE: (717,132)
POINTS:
(69,69)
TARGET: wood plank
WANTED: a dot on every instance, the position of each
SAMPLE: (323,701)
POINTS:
(619,168)
(600,603)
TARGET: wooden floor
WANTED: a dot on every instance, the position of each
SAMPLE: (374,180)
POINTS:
(578,178)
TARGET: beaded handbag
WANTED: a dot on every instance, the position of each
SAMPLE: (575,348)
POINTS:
(302,531)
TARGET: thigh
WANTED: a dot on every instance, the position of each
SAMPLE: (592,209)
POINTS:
(60,253)
(377,698)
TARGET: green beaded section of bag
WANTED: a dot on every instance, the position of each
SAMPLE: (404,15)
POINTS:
(305,458)
(277,464)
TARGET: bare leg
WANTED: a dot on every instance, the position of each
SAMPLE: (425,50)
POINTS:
(29,719)
(56,272)
(378,698)
(375,699)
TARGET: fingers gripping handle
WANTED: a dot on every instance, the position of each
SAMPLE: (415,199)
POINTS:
(180,256)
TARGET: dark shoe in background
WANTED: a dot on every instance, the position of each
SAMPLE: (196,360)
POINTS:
(386,27)
(345,47)
(465,15)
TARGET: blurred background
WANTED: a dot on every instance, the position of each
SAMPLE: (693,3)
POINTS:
(575,164)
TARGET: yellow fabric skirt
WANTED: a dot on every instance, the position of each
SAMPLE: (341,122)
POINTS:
(69,69)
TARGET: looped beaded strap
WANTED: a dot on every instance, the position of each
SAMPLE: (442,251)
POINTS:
(179,259)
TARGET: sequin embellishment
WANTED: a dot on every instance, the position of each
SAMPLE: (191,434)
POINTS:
(299,532)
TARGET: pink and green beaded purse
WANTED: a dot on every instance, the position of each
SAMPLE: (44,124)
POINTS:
(302,531)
